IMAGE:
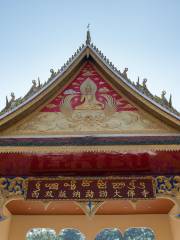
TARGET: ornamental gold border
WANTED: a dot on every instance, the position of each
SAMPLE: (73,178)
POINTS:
(89,178)
(80,149)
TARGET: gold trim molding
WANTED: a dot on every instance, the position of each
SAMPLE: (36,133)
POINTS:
(79,149)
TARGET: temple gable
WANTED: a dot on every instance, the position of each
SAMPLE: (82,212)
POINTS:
(89,104)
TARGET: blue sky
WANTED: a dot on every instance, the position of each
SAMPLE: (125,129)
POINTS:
(38,35)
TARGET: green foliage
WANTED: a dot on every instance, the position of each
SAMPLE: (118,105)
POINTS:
(106,234)
(49,234)
(109,234)
(41,234)
(71,234)
(139,234)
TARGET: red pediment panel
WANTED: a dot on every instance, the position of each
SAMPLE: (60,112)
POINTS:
(88,90)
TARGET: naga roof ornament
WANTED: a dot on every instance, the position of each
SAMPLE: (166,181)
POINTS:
(142,89)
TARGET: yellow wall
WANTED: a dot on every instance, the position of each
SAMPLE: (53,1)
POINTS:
(175,226)
(4,228)
(90,227)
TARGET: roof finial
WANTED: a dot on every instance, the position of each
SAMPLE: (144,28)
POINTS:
(88,36)
(170,101)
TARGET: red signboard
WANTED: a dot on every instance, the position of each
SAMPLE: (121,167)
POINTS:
(89,188)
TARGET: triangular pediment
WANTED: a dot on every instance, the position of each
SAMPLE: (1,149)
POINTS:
(88,103)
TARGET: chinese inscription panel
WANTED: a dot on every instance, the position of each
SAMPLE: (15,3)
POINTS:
(84,189)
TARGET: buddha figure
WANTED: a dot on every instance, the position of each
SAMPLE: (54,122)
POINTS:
(88,96)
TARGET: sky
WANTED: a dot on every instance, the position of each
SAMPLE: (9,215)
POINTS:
(142,35)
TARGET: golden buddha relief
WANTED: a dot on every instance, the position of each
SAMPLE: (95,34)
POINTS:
(89,110)
(88,96)
(89,104)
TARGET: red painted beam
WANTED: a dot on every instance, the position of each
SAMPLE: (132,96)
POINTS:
(23,164)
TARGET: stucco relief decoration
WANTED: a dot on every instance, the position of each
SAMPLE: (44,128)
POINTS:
(168,185)
(90,104)
(12,186)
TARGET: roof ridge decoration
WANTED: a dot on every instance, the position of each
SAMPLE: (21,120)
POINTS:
(37,87)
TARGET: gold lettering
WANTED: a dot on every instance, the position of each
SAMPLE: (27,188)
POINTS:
(76,194)
(35,194)
(142,185)
(62,194)
(52,186)
(89,194)
(131,193)
(48,194)
(103,194)
(38,186)
(72,184)
(86,183)
(145,193)
(132,185)
(101,184)
(118,185)
(117,194)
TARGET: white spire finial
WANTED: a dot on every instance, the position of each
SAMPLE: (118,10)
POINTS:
(88,27)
